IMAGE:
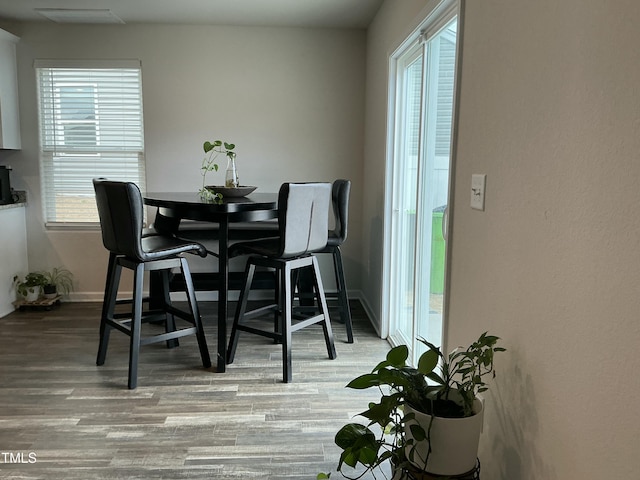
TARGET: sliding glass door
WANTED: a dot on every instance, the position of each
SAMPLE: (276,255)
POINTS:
(419,165)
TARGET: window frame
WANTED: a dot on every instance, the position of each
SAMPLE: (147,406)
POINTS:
(115,152)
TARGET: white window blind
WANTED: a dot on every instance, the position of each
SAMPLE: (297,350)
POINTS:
(90,126)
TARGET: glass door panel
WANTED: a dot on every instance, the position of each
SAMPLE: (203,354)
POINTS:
(421,163)
(440,51)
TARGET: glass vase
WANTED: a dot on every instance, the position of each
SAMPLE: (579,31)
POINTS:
(231,176)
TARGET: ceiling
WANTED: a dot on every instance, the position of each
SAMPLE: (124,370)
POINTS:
(280,13)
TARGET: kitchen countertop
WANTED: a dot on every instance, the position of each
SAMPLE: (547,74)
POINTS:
(21,202)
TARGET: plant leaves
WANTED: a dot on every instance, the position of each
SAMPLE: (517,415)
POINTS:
(430,345)
(208,146)
(428,361)
(436,378)
(380,413)
(385,455)
(364,381)
(382,364)
(352,432)
(395,378)
(367,456)
(359,445)
(397,356)
(417,432)
(348,458)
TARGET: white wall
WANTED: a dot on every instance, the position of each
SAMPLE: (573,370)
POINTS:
(549,110)
(292,100)
(13,254)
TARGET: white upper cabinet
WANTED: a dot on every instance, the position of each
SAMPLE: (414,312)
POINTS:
(9,114)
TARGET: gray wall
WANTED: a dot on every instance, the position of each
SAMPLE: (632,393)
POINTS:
(292,100)
(549,110)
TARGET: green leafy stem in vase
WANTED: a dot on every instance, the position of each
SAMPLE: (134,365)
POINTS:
(212,150)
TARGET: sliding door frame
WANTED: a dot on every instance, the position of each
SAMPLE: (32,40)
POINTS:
(438,14)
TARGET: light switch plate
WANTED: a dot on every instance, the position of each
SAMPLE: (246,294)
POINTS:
(478,184)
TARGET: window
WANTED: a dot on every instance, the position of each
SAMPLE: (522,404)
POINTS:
(90,126)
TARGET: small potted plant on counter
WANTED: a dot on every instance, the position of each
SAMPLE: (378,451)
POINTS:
(30,287)
(421,427)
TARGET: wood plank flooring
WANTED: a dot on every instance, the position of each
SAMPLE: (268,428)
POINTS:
(62,417)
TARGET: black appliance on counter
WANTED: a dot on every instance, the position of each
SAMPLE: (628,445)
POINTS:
(6,195)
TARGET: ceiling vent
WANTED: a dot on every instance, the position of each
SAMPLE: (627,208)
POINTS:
(71,15)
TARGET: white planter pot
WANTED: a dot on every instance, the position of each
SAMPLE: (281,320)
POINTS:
(454,442)
(33,293)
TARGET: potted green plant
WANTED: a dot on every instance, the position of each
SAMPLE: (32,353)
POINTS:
(59,281)
(212,151)
(30,287)
(428,419)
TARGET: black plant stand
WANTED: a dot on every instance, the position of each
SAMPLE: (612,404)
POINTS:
(414,474)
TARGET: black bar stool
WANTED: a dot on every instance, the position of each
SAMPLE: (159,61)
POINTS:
(340,202)
(120,209)
(303,216)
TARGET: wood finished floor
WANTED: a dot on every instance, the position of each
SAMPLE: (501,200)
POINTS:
(79,421)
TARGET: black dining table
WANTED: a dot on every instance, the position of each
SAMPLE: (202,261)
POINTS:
(255,207)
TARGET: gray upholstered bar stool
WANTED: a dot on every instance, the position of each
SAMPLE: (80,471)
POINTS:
(120,209)
(303,217)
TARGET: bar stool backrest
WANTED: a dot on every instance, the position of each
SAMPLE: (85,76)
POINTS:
(340,201)
(303,217)
(121,214)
